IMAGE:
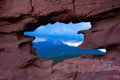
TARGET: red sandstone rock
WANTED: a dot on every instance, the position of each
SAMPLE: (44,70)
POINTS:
(17,57)
(86,8)
(103,34)
(14,8)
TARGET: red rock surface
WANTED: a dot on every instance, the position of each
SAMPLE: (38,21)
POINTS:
(17,56)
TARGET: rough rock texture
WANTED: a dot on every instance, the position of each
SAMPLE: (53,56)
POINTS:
(17,56)
(104,34)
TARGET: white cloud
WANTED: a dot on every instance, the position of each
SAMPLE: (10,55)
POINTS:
(72,43)
(103,50)
(61,28)
(37,39)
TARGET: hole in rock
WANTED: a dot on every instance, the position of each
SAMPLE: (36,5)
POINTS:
(59,41)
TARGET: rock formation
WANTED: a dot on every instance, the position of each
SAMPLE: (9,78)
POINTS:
(104,34)
(18,60)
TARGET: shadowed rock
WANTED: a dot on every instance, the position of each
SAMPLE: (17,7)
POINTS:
(104,34)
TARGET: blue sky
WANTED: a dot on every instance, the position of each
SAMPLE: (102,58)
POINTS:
(60,31)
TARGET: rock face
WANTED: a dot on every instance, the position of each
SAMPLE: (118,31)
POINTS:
(18,60)
(104,34)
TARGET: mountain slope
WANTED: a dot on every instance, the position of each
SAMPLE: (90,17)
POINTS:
(58,51)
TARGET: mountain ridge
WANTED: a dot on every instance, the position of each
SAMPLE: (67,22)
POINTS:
(59,51)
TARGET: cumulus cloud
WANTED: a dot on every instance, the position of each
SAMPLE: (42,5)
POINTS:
(103,50)
(62,29)
(37,39)
(72,43)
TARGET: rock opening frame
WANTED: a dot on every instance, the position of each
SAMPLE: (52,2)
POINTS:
(17,57)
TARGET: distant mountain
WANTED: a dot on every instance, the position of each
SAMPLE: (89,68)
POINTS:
(48,43)
(55,51)
(58,51)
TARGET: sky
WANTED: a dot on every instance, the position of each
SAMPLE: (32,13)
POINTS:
(60,31)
